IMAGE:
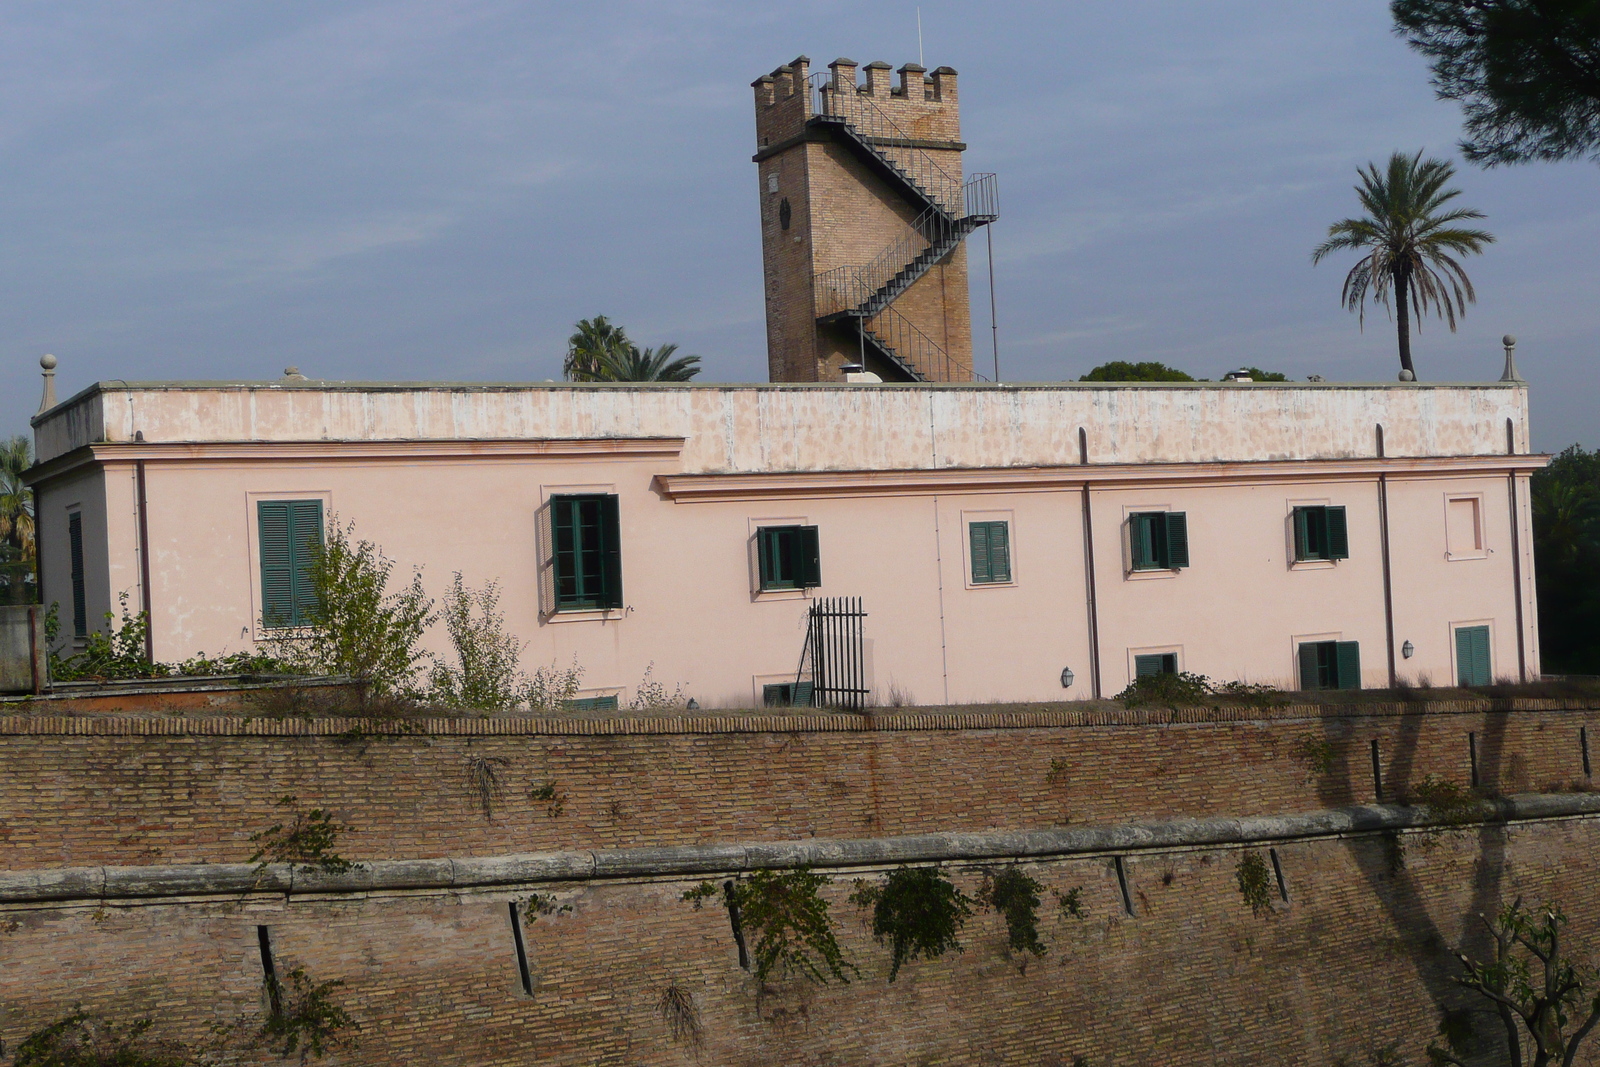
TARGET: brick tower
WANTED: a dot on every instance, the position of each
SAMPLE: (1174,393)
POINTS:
(864,217)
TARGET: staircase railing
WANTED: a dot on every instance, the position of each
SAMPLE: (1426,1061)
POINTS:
(863,290)
(872,126)
(914,350)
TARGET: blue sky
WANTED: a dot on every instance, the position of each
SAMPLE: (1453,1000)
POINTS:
(402,190)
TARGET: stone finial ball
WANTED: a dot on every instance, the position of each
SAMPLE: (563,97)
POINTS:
(1509,340)
(47,361)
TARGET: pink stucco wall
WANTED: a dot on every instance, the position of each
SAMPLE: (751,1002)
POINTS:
(451,478)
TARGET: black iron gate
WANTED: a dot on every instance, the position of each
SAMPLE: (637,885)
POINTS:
(836,648)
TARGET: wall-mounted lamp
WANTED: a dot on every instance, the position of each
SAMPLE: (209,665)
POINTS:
(1407,649)
(1066,677)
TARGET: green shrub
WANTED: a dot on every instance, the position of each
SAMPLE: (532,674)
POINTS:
(793,931)
(358,627)
(82,1040)
(486,671)
(1446,801)
(1071,903)
(1169,690)
(115,653)
(304,1019)
(1255,882)
(306,841)
(1016,897)
(917,911)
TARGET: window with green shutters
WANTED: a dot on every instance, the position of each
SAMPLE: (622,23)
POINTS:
(80,607)
(1330,665)
(1320,532)
(588,553)
(1159,540)
(290,533)
(1148,666)
(1472,655)
(786,695)
(790,557)
(991,552)
(605,703)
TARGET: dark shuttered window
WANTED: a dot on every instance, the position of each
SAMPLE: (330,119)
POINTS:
(1472,655)
(1148,666)
(1320,532)
(787,695)
(790,557)
(1159,539)
(1330,665)
(290,535)
(588,552)
(991,552)
(80,606)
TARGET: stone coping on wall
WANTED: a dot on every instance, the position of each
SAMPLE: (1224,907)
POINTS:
(679,861)
(19,721)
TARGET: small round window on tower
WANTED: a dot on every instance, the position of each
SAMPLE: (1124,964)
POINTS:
(785,213)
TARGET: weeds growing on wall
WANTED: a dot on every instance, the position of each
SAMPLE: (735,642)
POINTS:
(1057,774)
(1255,882)
(306,841)
(358,628)
(677,1007)
(483,781)
(916,911)
(117,653)
(1447,802)
(486,672)
(83,1040)
(1015,895)
(551,689)
(1184,690)
(789,921)
(1071,903)
(651,695)
(306,1020)
(553,798)
(539,904)
(1315,754)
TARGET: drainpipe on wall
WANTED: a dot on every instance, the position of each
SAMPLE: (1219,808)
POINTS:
(144,559)
(1516,532)
(1388,584)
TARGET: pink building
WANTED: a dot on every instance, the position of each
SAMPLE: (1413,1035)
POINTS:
(1003,541)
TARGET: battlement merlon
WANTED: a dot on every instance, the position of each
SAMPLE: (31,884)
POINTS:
(923,101)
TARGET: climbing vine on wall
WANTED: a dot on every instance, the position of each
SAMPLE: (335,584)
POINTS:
(1015,895)
(916,911)
(306,840)
(1254,882)
(783,913)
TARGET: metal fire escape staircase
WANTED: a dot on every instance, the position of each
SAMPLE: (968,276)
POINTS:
(949,210)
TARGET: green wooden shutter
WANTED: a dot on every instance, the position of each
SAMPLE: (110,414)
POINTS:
(999,551)
(809,550)
(803,694)
(80,602)
(277,563)
(1338,543)
(611,546)
(305,542)
(545,553)
(767,556)
(1472,655)
(1308,666)
(1149,666)
(1349,659)
(1177,539)
(1302,536)
(978,534)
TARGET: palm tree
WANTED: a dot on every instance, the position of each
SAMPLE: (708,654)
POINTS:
(1409,243)
(649,365)
(594,340)
(16,519)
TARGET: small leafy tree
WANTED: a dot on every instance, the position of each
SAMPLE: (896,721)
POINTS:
(917,911)
(306,841)
(305,1019)
(1015,895)
(793,931)
(1546,1002)
(83,1040)
(358,627)
(552,688)
(486,673)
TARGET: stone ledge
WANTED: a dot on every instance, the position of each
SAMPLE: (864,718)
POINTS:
(226,879)
(1015,717)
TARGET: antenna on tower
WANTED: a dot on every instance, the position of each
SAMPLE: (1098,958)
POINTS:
(920,61)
